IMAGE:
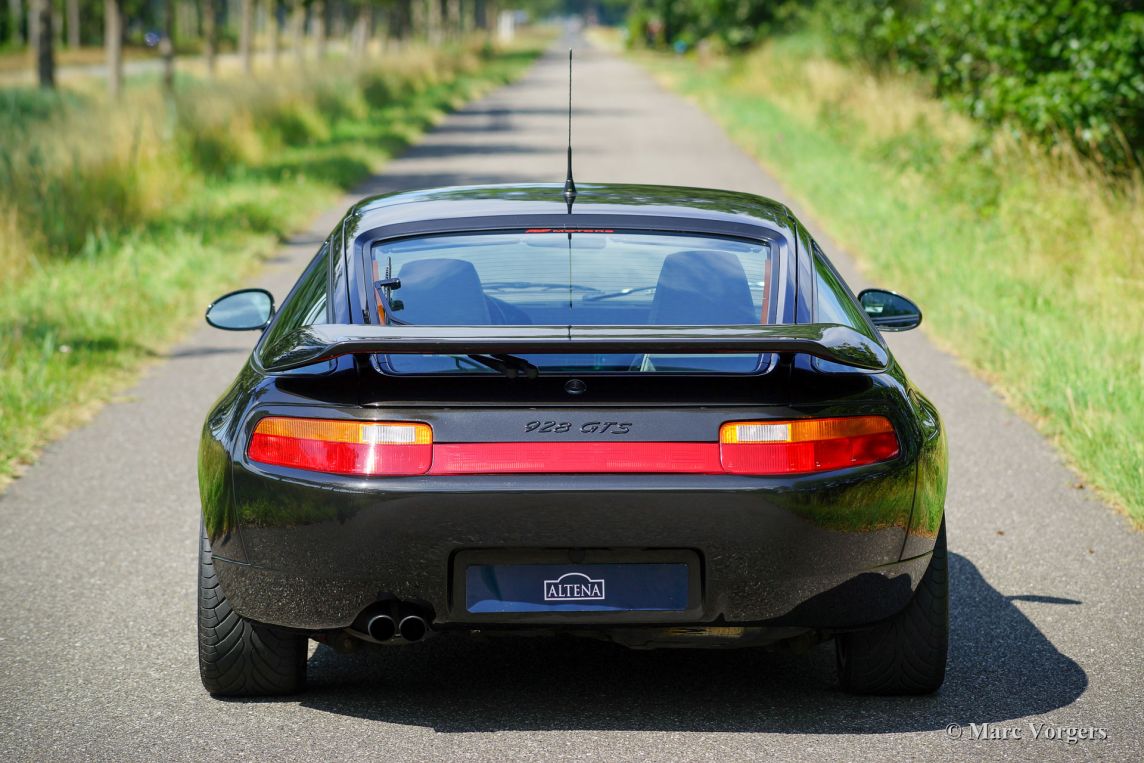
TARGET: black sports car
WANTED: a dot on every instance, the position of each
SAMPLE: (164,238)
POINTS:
(659,417)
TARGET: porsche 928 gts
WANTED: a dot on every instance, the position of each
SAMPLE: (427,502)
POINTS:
(660,418)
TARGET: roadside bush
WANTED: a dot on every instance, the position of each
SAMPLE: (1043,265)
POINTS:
(1026,262)
(1066,67)
(730,24)
(1063,71)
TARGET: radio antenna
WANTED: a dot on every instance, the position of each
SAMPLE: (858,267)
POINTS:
(569,183)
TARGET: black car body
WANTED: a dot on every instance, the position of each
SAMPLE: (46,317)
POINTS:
(574,473)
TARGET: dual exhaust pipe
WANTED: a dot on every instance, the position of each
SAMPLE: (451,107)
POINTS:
(384,626)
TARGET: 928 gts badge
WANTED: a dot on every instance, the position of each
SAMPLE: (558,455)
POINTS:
(588,427)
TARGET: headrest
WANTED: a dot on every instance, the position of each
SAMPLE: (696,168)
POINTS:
(702,288)
(441,292)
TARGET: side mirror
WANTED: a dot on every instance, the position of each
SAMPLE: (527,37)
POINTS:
(242,310)
(889,311)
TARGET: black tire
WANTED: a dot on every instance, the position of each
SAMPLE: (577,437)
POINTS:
(239,658)
(905,654)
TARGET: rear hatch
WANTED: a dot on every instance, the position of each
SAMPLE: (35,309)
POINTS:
(555,351)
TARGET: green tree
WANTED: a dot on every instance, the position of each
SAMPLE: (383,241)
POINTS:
(1068,66)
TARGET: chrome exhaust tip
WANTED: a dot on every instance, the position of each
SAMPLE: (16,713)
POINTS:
(412,627)
(381,628)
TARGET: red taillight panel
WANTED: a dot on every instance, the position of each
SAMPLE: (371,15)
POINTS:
(576,458)
(360,448)
(805,445)
(384,448)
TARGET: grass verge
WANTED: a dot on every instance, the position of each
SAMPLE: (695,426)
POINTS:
(118,223)
(1027,264)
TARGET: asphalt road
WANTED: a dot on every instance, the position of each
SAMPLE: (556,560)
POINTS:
(97,638)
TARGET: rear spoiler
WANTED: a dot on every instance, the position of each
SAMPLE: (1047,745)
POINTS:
(316,343)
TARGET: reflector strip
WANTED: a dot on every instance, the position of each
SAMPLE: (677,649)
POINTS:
(576,458)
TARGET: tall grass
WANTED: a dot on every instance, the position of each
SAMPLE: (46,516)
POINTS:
(1029,264)
(118,221)
(79,169)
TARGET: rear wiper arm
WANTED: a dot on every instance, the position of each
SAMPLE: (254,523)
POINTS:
(509,365)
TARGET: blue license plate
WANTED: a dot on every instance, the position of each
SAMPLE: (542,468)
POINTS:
(576,588)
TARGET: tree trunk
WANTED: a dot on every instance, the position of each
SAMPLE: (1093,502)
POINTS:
(246,37)
(433,21)
(167,45)
(187,20)
(113,43)
(210,35)
(298,31)
(43,37)
(15,22)
(72,8)
(318,28)
(399,20)
(379,29)
(273,39)
(456,18)
(359,35)
(668,23)
(419,18)
(336,13)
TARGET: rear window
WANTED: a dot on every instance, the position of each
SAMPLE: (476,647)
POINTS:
(578,279)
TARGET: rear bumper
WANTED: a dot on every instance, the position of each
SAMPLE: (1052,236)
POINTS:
(810,551)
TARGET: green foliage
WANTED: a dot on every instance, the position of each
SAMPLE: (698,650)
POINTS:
(22,109)
(1049,67)
(1054,69)
(1027,263)
(732,24)
(118,221)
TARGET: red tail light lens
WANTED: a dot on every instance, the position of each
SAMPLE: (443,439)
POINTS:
(808,445)
(363,448)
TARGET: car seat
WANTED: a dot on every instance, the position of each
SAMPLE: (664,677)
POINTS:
(441,292)
(702,288)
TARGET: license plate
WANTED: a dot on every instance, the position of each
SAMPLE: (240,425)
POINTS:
(623,587)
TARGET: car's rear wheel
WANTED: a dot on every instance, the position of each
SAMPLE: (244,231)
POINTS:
(238,658)
(905,654)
